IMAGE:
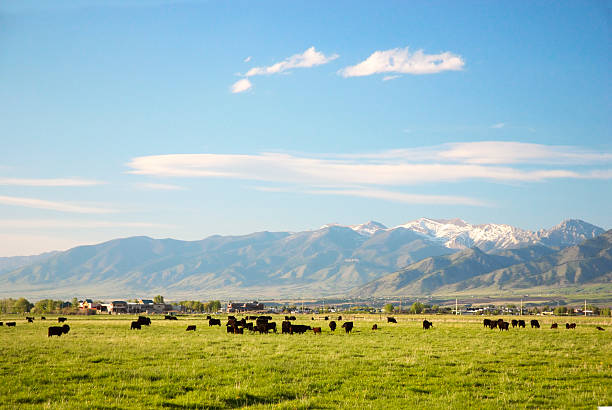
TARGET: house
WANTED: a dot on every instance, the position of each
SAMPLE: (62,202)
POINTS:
(90,304)
(244,307)
(118,306)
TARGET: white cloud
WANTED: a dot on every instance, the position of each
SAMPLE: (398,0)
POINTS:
(390,77)
(160,187)
(72,224)
(402,61)
(246,60)
(309,58)
(241,86)
(52,205)
(49,182)
(446,163)
(498,125)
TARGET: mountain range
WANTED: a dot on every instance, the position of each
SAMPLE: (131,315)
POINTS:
(425,255)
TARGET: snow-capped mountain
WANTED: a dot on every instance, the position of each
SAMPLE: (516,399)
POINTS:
(459,234)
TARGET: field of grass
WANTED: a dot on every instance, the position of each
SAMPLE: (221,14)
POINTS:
(457,364)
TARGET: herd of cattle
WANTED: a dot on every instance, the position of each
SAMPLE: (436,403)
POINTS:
(264,324)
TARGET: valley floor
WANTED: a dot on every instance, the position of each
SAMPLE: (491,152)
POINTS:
(101,363)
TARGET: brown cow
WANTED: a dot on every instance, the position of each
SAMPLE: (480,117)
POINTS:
(316,330)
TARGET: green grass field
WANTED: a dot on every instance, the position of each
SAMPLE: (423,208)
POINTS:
(457,364)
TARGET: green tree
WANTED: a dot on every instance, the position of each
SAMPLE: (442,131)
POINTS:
(22,305)
(605,311)
(388,308)
(416,308)
(75,303)
(560,310)
(158,299)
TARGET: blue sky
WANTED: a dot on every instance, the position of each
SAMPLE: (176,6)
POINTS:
(186,119)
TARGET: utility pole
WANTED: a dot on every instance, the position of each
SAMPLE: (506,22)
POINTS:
(456,304)
(521,314)
(585,307)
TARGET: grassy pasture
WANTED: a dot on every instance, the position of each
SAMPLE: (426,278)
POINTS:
(458,364)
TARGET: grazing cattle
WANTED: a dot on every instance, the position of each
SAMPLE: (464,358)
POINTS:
(1,324)
(230,322)
(326,317)
(493,324)
(43,318)
(249,326)
(503,325)
(142,320)
(316,330)
(312,318)
(229,329)
(572,326)
(238,330)
(55,331)
(348,326)
(252,317)
(11,324)
(521,323)
(135,325)
(600,328)
(231,317)
(30,320)
(554,326)
(286,327)
(299,328)
(61,319)
(191,327)
(514,323)
(375,327)
(170,317)
(486,323)
(213,322)
(535,323)
(208,317)
(332,326)
(292,318)
(265,327)
(427,324)
(567,326)
(271,326)
(286,317)
(391,320)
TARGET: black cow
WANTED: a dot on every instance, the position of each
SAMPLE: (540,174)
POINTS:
(486,323)
(43,318)
(30,319)
(326,317)
(567,326)
(514,323)
(348,326)
(249,326)
(572,326)
(11,324)
(600,328)
(231,322)
(231,317)
(208,317)
(142,320)
(339,317)
(299,328)
(375,327)
(170,317)
(55,331)
(391,320)
(427,324)
(271,326)
(135,325)
(535,323)
(503,325)
(61,319)
(265,327)
(213,322)
(554,326)
(332,326)
(521,323)
(292,318)
(229,329)
(493,324)
(1,323)
(286,327)
(238,330)
(191,327)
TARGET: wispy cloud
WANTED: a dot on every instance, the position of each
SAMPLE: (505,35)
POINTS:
(159,187)
(309,58)
(49,182)
(498,125)
(390,77)
(241,86)
(53,205)
(402,61)
(73,224)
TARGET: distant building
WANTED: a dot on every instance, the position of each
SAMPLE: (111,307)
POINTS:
(244,307)
(118,306)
